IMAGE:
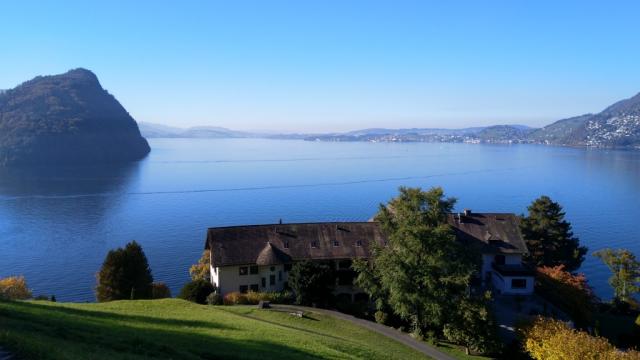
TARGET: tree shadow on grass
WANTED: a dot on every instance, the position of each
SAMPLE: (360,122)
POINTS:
(40,331)
(107,315)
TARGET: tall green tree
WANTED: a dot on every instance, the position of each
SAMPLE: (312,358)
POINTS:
(125,274)
(473,325)
(422,273)
(549,237)
(626,272)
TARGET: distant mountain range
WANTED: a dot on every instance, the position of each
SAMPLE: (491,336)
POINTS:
(617,126)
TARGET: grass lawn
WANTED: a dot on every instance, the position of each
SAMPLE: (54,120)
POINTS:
(176,329)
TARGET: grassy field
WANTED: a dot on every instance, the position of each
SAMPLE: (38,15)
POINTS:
(176,329)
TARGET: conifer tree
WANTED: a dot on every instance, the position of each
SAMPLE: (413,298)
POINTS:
(125,274)
(549,237)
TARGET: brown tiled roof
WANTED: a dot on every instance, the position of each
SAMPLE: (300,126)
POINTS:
(237,245)
(492,232)
(283,243)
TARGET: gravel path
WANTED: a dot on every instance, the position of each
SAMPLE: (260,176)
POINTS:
(399,336)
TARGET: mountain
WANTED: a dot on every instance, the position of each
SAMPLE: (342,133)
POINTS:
(66,119)
(504,133)
(151,130)
(617,126)
(491,134)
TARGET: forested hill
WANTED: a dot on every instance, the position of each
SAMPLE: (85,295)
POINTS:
(66,119)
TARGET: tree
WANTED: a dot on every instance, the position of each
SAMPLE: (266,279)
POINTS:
(626,272)
(202,270)
(569,292)
(197,291)
(125,274)
(553,339)
(14,288)
(423,273)
(549,237)
(312,282)
(473,326)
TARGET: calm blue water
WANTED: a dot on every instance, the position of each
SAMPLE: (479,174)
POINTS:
(57,226)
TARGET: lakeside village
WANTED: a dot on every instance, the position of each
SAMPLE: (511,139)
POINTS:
(497,284)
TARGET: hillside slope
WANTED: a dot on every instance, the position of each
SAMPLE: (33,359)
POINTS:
(66,119)
(171,328)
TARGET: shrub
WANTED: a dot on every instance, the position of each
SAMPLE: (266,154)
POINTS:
(196,291)
(553,339)
(160,290)
(235,298)
(125,274)
(14,288)
(254,297)
(214,299)
(571,293)
(381,317)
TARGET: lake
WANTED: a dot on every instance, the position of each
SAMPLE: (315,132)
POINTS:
(56,226)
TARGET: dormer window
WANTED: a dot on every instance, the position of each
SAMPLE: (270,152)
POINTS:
(314,244)
(286,244)
(336,243)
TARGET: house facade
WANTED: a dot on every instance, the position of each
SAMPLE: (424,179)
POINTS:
(259,257)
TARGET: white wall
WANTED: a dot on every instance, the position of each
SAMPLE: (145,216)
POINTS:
(228,278)
(503,283)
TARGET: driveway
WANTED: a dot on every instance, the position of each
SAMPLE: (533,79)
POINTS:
(389,332)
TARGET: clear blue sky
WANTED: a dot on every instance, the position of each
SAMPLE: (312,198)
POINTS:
(334,65)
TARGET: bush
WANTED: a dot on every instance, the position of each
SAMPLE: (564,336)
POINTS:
(214,299)
(160,290)
(197,291)
(125,274)
(254,297)
(381,317)
(571,293)
(14,288)
(235,298)
(553,339)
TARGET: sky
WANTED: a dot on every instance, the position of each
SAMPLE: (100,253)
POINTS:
(322,66)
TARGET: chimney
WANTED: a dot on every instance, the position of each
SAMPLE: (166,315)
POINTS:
(467,212)
(280,222)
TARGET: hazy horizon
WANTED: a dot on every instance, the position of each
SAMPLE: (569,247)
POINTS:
(335,66)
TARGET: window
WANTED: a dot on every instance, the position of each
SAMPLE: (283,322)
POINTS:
(254,287)
(499,259)
(359,243)
(272,279)
(264,282)
(243,289)
(253,270)
(287,267)
(243,270)
(286,244)
(314,244)
(273,268)
(336,243)
(518,283)
(279,275)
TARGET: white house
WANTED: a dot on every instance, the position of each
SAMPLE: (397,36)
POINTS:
(259,257)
